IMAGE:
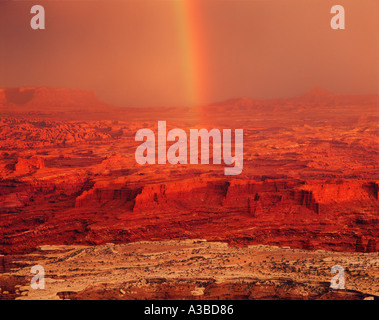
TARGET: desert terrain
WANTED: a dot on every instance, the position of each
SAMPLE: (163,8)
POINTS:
(71,192)
(191,269)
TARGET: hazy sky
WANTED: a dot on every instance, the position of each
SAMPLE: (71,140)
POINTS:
(174,52)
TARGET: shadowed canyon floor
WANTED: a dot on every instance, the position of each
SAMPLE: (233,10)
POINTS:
(69,177)
(190,269)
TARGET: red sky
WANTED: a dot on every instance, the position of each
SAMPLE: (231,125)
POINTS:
(131,52)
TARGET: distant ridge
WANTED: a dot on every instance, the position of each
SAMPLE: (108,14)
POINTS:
(316,96)
(317,92)
(63,100)
(50,98)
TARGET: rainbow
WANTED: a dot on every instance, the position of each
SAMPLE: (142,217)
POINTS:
(192,46)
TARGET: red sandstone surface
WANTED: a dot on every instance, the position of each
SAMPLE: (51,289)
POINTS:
(68,173)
